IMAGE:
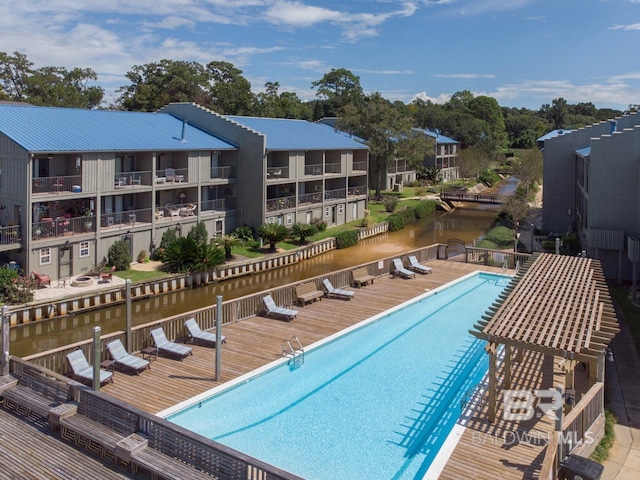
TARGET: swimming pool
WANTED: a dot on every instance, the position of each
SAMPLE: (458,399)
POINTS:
(375,403)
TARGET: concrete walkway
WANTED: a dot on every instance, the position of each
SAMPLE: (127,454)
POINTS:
(623,399)
(59,290)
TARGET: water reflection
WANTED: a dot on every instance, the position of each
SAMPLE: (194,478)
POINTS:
(468,224)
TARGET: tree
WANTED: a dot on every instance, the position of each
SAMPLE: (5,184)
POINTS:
(154,85)
(557,112)
(528,169)
(338,88)
(384,129)
(199,233)
(272,104)
(473,160)
(302,231)
(231,92)
(226,242)
(272,233)
(185,255)
(14,73)
(118,255)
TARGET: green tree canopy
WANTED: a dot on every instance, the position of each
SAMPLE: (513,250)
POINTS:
(230,92)
(338,88)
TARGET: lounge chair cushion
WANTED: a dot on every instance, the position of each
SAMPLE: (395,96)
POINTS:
(197,334)
(164,345)
(337,292)
(124,358)
(273,309)
(80,368)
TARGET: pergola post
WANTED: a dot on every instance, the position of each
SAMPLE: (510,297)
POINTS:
(600,368)
(491,349)
(569,366)
(507,367)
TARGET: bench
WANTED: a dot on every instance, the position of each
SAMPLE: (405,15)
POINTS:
(100,425)
(361,277)
(37,394)
(308,292)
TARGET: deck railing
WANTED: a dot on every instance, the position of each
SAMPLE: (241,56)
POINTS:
(57,184)
(495,258)
(62,226)
(337,194)
(225,172)
(10,235)
(582,429)
(204,454)
(233,310)
(360,166)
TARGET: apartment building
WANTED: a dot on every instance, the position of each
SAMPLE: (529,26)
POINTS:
(73,182)
(445,155)
(590,188)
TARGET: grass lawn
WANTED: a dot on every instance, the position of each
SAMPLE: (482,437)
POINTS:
(139,275)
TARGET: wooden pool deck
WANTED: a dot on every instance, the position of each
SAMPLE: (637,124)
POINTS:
(484,451)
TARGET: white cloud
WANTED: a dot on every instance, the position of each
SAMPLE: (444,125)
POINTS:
(441,98)
(632,26)
(465,75)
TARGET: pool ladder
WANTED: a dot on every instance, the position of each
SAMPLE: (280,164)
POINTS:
(292,349)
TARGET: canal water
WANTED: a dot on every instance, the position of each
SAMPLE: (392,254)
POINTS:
(468,223)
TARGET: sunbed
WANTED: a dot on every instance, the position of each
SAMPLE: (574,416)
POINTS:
(124,359)
(281,312)
(417,266)
(82,371)
(398,269)
(164,346)
(336,292)
(201,336)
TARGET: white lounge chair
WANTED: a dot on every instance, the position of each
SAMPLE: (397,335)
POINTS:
(282,312)
(124,359)
(82,371)
(170,348)
(398,269)
(417,266)
(198,335)
(337,292)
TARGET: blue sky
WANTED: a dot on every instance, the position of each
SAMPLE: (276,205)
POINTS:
(522,52)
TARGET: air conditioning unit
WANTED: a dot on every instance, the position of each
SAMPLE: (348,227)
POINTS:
(579,468)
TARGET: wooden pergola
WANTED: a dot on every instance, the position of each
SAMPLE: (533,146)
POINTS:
(557,305)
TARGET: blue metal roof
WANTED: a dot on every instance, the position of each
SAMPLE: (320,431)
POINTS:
(287,134)
(553,133)
(440,139)
(340,132)
(47,129)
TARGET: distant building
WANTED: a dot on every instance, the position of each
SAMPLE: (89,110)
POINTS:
(591,187)
(73,182)
(445,156)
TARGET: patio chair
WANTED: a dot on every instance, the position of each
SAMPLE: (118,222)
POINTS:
(164,346)
(107,276)
(172,176)
(41,279)
(279,312)
(82,371)
(337,292)
(417,267)
(398,269)
(124,359)
(198,335)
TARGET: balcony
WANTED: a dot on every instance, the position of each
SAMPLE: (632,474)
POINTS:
(218,206)
(309,198)
(315,169)
(357,191)
(360,166)
(44,185)
(49,227)
(280,203)
(128,218)
(132,179)
(335,168)
(276,173)
(10,237)
(222,173)
(171,176)
(338,194)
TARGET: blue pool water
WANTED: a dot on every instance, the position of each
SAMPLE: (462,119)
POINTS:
(377,403)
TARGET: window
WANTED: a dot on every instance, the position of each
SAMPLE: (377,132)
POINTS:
(271,220)
(45,256)
(289,218)
(340,209)
(327,212)
(84,249)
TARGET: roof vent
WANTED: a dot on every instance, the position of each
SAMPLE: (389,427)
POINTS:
(183,137)
(614,125)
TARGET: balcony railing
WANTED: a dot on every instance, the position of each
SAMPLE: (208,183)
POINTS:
(360,166)
(400,169)
(226,172)
(132,179)
(337,194)
(315,169)
(220,205)
(357,191)
(57,184)
(63,226)
(310,198)
(281,203)
(172,175)
(128,218)
(10,235)
(332,168)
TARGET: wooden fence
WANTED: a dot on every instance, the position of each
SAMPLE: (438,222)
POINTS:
(233,310)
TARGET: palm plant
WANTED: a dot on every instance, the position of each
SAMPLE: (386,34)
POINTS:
(184,255)
(227,242)
(272,233)
(303,230)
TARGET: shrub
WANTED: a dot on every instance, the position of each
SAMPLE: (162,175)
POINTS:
(167,237)
(390,203)
(272,233)
(368,221)
(421,191)
(346,239)
(320,224)
(425,208)
(407,214)
(503,237)
(396,222)
(199,233)
(185,255)
(245,233)
(119,256)
(14,288)
(143,256)
(303,230)
(489,178)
